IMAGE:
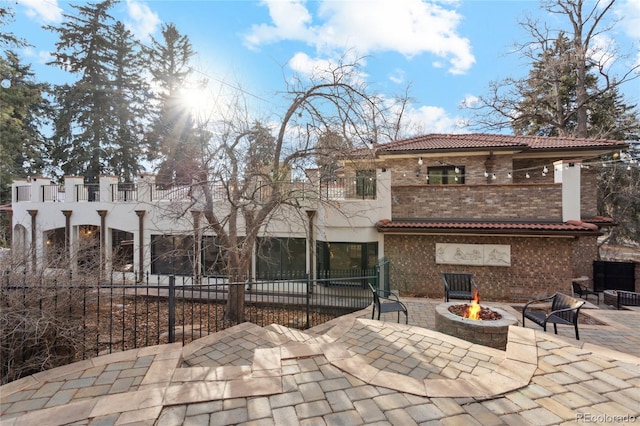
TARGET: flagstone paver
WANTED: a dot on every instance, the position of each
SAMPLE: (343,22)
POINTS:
(352,370)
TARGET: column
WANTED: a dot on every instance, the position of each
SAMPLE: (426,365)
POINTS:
(67,235)
(103,242)
(140,214)
(34,248)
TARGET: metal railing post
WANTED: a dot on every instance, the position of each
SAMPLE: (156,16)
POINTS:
(172,308)
(309,292)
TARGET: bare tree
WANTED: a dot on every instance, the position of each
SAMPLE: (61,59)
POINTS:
(571,75)
(257,169)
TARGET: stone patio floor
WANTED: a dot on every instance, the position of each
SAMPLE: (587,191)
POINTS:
(350,371)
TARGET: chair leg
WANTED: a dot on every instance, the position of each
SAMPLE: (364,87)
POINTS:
(577,336)
(555,328)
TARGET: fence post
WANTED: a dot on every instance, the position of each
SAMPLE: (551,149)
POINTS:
(309,284)
(172,308)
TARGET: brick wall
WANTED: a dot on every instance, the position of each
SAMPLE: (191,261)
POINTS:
(539,266)
(589,192)
(492,202)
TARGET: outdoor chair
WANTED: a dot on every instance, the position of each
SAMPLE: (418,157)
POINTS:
(621,298)
(385,301)
(458,286)
(564,310)
(583,292)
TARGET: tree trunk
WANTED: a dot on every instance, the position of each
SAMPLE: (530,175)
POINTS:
(234,311)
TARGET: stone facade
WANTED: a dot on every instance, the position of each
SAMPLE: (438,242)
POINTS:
(478,202)
(540,266)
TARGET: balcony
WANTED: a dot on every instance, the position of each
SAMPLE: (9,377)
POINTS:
(478,202)
(109,191)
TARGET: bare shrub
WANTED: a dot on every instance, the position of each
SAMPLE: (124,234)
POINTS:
(40,322)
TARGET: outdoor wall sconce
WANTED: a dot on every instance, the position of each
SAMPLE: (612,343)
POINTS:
(418,172)
(420,162)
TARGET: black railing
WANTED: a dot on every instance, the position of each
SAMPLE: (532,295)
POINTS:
(88,192)
(98,319)
(123,192)
(52,193)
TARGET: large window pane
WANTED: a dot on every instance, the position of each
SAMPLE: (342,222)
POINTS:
(281,258)
(342,259)
(171,254)
(213,257)
(122,250)
(55,248)
(366,183)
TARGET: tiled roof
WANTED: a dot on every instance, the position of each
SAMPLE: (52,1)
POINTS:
(435,142)
(570,227)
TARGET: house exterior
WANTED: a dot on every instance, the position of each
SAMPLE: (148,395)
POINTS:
(518,212)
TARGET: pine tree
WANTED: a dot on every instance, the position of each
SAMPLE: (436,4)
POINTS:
(172,137)
(85,123)
(23,113)
(130,96)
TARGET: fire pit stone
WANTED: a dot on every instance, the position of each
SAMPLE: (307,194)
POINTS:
(492,333)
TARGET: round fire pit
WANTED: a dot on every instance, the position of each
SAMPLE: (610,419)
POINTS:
(492,333)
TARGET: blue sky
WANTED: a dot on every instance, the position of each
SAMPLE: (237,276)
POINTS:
(447,51)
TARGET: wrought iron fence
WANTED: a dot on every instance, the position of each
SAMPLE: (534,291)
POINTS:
(118,315)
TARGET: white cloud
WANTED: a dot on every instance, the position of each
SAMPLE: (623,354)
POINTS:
(398,76)
(44,57)
(143,21)
(629,11)
(432,119)
(44,11)
(303,64)
(319,69)
(409,27)
(290,19)
(469,101)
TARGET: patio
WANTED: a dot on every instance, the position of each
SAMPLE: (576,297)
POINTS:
(352,370)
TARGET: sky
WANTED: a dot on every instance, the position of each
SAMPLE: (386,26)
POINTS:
(443,53)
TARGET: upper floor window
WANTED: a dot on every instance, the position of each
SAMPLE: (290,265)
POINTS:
(446,175)
(366,183)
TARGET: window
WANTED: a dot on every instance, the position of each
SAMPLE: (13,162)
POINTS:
(171,254)
(213,257)
(445,175)
(336,260)
(55,247)
(366,183)
(122,250)
(281,258)
(88,248)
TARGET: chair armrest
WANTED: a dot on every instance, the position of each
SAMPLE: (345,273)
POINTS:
(473,283)
(384,294)
(564,310)
(388,295)
(544,299)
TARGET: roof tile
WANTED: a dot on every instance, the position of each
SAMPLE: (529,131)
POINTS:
(570,226)
(481,140)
